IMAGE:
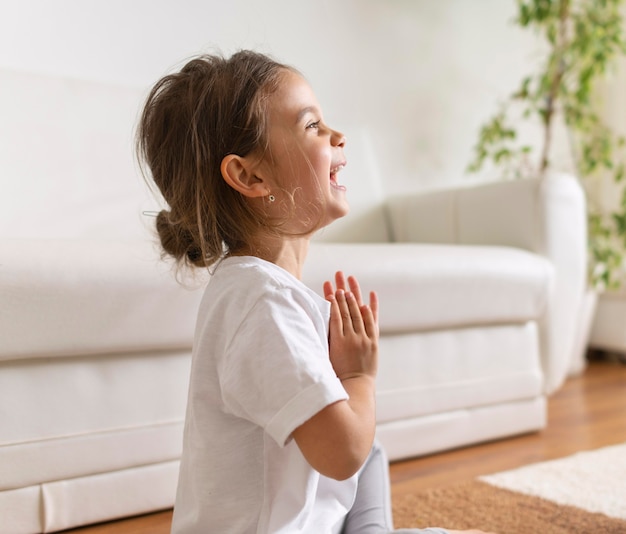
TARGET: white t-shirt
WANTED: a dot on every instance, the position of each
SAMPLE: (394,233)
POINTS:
(260,369)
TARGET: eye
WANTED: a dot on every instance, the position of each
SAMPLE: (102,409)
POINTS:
(314,125)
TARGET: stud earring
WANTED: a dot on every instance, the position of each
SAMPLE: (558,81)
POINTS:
(271,198)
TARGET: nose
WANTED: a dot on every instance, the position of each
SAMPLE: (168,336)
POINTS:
(337,138)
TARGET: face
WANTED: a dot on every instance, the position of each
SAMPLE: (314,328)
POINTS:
(306,157)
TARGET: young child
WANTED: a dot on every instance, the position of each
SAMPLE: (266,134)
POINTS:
(279,431)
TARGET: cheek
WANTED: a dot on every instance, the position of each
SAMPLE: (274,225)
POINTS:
(302,172)
(300,167)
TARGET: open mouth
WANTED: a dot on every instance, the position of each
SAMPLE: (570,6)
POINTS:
(333,177)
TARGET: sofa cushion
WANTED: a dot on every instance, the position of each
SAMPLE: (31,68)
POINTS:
(81,297)
(447,370)
(429,287)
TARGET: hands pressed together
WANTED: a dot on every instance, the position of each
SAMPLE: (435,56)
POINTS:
(353,329)
(337,440)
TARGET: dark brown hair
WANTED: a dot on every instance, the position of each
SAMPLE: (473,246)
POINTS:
(191,120)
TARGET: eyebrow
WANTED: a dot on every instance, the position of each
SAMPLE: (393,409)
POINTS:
(304,111)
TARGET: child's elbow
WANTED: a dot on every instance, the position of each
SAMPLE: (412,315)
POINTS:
(341,467)
(341,474)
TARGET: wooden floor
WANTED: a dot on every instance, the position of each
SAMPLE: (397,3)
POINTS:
(587,413)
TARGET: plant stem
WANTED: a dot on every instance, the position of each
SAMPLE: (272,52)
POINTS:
(556,82)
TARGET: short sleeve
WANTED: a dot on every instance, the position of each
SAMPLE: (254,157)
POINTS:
(276,372)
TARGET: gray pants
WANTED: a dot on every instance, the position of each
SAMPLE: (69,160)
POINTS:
(371,512)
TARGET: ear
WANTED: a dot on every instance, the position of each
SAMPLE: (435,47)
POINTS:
(239,173)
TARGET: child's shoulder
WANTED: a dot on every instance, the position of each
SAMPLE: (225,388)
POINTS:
(251,272)
(255,279)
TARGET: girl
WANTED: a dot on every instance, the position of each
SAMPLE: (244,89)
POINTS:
(280,420)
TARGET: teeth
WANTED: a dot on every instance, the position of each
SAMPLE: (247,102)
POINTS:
(337,169)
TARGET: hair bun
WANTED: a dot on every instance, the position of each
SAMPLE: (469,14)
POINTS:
(177,240)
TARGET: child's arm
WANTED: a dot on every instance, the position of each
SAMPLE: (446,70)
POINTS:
(337,440)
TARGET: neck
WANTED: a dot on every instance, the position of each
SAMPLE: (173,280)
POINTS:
(290,255)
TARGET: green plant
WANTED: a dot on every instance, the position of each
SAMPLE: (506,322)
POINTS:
(583,38)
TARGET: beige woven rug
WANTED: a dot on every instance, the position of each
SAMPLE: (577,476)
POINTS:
(583,493)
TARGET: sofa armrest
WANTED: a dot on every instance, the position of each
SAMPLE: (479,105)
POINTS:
(546,216)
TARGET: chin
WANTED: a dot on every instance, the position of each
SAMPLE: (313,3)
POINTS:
(343,211)
(338,213)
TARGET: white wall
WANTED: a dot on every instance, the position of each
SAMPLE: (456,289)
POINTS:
(604,192)
(419,76)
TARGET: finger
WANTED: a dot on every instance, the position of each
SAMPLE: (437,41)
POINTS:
(344,311)
(356,289)
(335,324)
(374,305)
(355,313)
(369,323)
(329,291)
(340,281)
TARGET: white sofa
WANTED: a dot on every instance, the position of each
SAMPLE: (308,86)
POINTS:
(480,290)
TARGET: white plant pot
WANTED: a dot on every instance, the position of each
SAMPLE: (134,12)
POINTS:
(608,331)
(583,331)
